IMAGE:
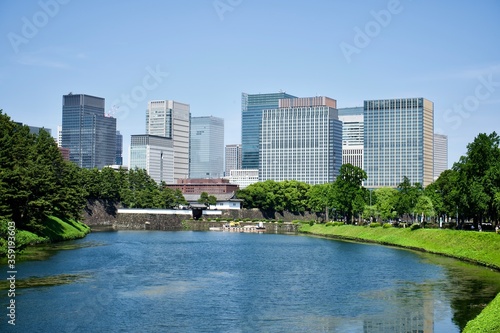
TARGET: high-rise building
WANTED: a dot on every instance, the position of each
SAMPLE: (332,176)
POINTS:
(301,140)
(352,135)
(233,158)
(87,132)
(36,130)
(243,177)
(206,147)
(440,154)
(398,141)
(252,106)
(59,136)
(155,154)
(171,119)
(119,149)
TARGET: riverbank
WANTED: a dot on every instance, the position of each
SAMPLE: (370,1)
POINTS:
(56,230)
(481,248)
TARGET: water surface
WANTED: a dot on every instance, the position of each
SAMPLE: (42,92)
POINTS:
(153,281)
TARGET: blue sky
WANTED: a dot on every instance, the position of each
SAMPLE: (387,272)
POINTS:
(207,52)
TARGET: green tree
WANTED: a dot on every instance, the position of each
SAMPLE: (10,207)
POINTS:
(424,208)
(408,195)
(318,197)
(479,178)
(348,190)
(295,195)
(34,180)
(139,190)
(207,200)
(387,198)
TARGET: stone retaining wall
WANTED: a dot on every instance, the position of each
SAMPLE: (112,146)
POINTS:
(104,214)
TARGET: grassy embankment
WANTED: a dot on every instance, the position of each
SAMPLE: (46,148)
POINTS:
(56,230)
(478,247)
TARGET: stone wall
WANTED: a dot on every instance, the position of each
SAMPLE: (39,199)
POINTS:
(100,214)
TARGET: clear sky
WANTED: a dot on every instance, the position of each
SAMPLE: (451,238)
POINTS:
(207,52)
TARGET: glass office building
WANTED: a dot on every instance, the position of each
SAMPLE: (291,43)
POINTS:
(119,149)
(171,119)
(301,140)
(206,147)
(398,141)
(252,106)
(89,135)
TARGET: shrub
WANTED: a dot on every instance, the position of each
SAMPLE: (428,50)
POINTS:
(336,224)
(311,223)
(375,225)
(386,225)
(415,226)
(329,224)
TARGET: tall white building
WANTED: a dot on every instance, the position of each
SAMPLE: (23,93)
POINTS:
(233,158)
(301,140)
(171,119)
(352,135)
(440,154)
(59,136)
(206,147)
(398,141)
(155,154)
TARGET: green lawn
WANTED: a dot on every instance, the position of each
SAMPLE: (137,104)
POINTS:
(60,230)
(479,247)
(55,230)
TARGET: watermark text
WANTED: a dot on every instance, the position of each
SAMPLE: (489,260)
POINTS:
(11,272)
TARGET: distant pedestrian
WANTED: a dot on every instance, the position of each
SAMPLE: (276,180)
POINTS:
(496,229)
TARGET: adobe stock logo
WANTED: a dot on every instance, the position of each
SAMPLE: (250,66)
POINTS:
(483,91)
(139,93)
(223,6)
(373,28)
(30,28)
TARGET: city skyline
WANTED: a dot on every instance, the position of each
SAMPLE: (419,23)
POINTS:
(364,50)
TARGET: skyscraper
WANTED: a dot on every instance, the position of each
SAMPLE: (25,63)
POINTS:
(119,149)
(87,132)
(440,154)
(352,135)
(398,141)
(206,147)
(252,106)
(155,154)
(233,158)
(171,119)
(301,140)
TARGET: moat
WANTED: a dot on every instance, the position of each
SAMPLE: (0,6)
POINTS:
(185,281)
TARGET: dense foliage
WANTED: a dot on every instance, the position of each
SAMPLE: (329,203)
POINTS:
(35,182)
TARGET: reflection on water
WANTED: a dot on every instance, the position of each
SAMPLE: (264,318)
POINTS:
(227,282)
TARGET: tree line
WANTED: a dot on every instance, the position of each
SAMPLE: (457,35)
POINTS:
(35,182)
(469,191)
